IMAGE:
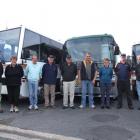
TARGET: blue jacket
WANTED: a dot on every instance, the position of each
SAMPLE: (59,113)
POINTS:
(49,74)
(106,74)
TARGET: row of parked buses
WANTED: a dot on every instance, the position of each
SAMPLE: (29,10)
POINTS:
(24,43)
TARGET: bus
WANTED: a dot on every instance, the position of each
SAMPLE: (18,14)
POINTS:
(25,43)
(100,47)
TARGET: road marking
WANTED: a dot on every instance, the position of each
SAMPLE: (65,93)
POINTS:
(13,132)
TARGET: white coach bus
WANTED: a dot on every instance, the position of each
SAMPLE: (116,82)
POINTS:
(24,43)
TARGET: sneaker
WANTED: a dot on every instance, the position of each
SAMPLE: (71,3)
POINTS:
(72,107)
(119,107)
(53,106)
(30,107)
(92,106)
(65,107)
(16,109)
(12,109)
(81,106)
(108,107)
(102,107)
(131,107)
(36,107)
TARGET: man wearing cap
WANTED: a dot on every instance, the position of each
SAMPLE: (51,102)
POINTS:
(69,72)
(49,76)
(123,72)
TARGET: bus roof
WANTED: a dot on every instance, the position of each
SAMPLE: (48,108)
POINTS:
(91,36)
(136,44)
(49,40)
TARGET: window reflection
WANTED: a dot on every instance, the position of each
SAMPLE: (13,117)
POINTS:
(9,42)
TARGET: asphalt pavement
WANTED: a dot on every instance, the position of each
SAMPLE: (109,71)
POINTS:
(88,124)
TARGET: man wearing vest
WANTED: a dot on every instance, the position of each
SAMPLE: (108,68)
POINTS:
(87,76)
(123,72)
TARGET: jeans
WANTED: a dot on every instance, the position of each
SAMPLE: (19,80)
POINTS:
(87,87)
(105,93)
(33,90)
(138,89)
(68,89)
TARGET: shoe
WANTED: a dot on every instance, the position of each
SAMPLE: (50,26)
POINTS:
(108,107)
(92,106)
(36,107)
(81,106)
(53,106)
(72,107)
(65,107)
(16,109)
(1,111)
(119,107)
(30,107)
(102,107)
(12,109)
(139,108)
(131,107)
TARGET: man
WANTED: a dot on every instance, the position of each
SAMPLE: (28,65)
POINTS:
(106,74)
(88,75)
(33,74)
(49,76)
(13,74)
(123,72)
(69,72)
(1,72)
(137,70)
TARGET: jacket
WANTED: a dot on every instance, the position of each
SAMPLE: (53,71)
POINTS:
(13,75)
(137,70)
(83,73)
(106,74)
(49,74)
(1,71)
(123,71)
(69,72)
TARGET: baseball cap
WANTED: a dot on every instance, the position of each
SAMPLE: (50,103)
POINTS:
(68,56)
(51,56)
(123,55)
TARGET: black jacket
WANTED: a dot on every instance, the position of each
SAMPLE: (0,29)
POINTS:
(13,75)
(69,72)
(138,72)
(83,73)
(1,71)
(123,71)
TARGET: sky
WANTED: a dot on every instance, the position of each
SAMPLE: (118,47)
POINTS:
(63,19)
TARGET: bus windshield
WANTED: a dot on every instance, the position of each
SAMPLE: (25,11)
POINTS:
(137,51)
(9,42)
(99,48)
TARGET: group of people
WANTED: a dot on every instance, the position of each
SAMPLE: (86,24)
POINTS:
(87,74)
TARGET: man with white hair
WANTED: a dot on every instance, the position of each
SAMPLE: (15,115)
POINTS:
(33,73)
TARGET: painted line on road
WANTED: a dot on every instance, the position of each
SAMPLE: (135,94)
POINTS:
(30,133)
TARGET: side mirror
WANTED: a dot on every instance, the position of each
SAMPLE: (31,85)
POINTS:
(117,50)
